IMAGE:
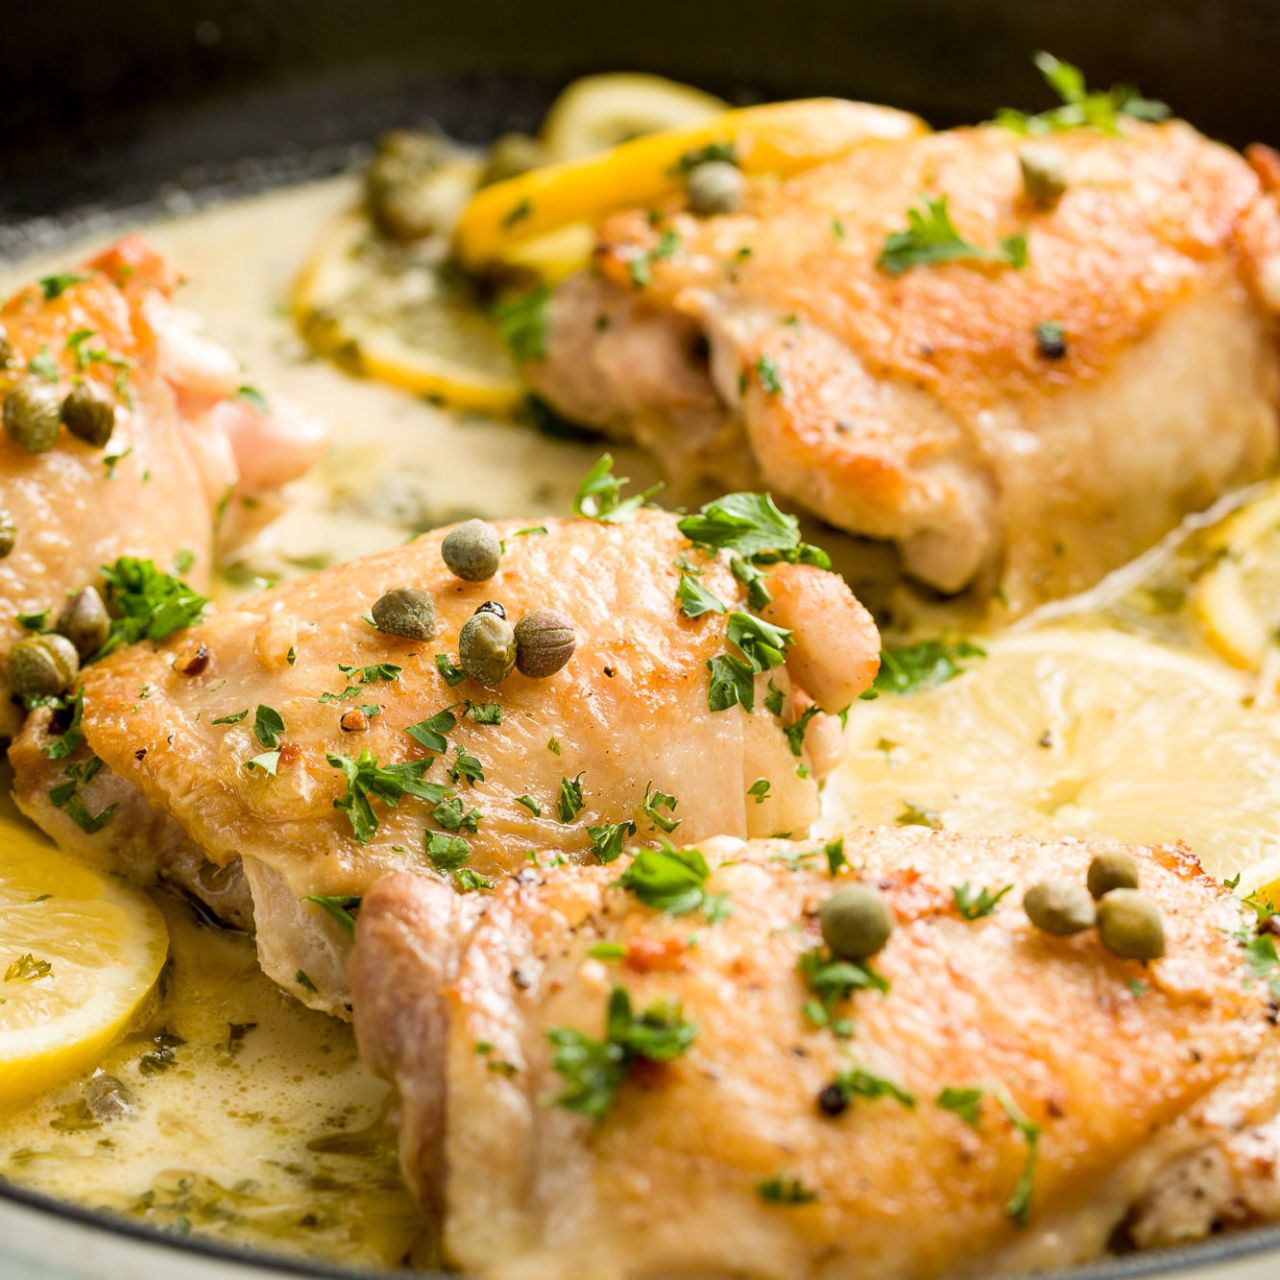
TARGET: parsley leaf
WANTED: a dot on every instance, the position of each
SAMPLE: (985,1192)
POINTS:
(932,237)
(760,642)
(366,779)
(56,285)
(378,673)
(751,525)
(531,804)
(254,397)
(595,1069)
(607,840)
(430,732)
(447,853)
(268,725)
(465,765)
(342,908)
(746,573)
(834,853)
(732,682)
(795,732)
(641,266)
(449,671)
(782,1188)
(1080,107)
(569,801)
(695,599)
(832,982)
(674,881)
(767,375)
(966,1102)
(522,322)
(146,604)
(759,789)
(600,495)
(973,906)
(925,665)
(855,1082)
(723,152)
(655,800)
(267,761)
(465,880)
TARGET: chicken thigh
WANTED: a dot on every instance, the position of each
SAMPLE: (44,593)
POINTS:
(1017,416)
(181,440)
(290,738)
(597,1079)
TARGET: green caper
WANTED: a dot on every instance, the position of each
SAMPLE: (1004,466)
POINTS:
(512,155)
(1129,925)
(8,533)
(1059,907)
(856,921)
(90,414)
(1114,869)
(6,348)
(404,200)
(406,611)
(1043,177)
(43,666)
(545,641)
(487,648)
(84,621)
(716,187)
(32,415)
(472,551)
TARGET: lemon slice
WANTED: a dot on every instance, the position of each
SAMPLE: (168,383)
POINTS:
(1081,733)
(79,953)
(1238,600)
(599,112)
(779,138)
(400,314)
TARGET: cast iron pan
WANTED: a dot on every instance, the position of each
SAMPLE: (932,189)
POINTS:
(110,111)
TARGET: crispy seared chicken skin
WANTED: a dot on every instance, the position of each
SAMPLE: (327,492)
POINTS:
(182,444)
(769,347)
(733,1157)
(627,718)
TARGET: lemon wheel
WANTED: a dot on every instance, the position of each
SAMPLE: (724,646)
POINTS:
(79,954)
(779,138)
(401,315)
(1081,733)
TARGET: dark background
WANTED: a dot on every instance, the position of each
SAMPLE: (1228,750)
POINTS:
(106,103)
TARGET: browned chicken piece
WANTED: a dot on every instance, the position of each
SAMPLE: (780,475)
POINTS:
(299,681)
(1020,429)
(181,442)
(999,1105)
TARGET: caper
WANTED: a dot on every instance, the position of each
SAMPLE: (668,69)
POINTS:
(404,200)
(487,648)
(716,187)
(512,155)
(43,666)
(1043,177)
(90,414)
(856,921)
(472,551)
(1059,907)
(1129,925)
(493,606)
(545,641)
(8,533)
(1114,869)
(84,621)
(406,611)
(6,348)
(32,415)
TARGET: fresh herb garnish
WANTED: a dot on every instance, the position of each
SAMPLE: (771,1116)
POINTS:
(26,968)
(834,853)
(485,712)
(34,621)
(531,804)
(674,881)
(430,732)
(447,853)
(733,682)
(782,1188)
(695,599)
(974,905)
(759,789)
(641,266)
(465,765)
(832,982)
(713,152)
(655,800)
(450,672)
(595,1069)
(146,604)
(522,322)
(607,841)
(932,237)
(268,725)
(569,801)
(56,285)
(925,665)
(378,673)
(267,761)
(795,732)
(966,1102)
(303,979)
(767,375)
(856,1082)
(453,815)
(600,495)
(914,815)
(254,397)
(341,907)
(751,525)
(1080,107)
(366,779)
(746,573)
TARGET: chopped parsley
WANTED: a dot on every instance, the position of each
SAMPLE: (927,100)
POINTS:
(834,853)
(268,725)
(367,780)
(378,673)
(641,266)
(234,718)
(607,841)
(34,621)
(1051,339)
(569,801)
(56,285)
(856,1082)
(485,712)
(465,765)
(531,804)
(759,789)
(447,853)
(832,982)
(430,732)
(453,815)
(914,815)
(751,525)
(973,906)
(267,761)
(782,1188)
(931,237)
(303,979)
(450,672)
(146,604)
(655,800)
(43,365)
(767,375)
(773,699)
(465,880)
(1081,108)
(594,1069)
(966,1102)
(795,732)
(522,322)
(695,599)
(733,682)
(674,881)
(925,665)
(254,397)
(341,907)
(600,495)
(718,152)
(746,573)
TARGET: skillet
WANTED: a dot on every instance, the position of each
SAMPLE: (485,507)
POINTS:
(112,113)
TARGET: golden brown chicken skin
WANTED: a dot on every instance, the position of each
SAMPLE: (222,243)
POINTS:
(1005,1099)
(530,765)
(159,484)
(1027,429)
